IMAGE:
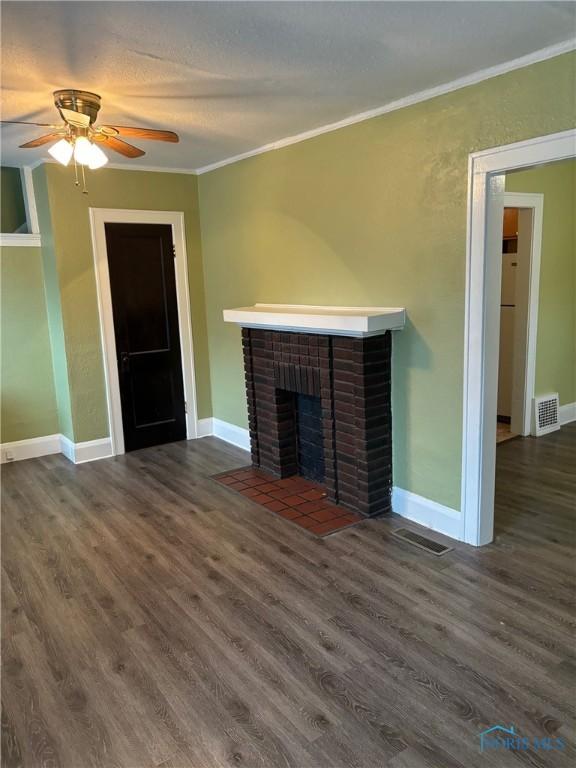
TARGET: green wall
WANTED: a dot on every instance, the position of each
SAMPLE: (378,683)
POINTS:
(28,400)
(374,214)
(53,306)
(12,208)
(556,340)
(370,214)
(70,265)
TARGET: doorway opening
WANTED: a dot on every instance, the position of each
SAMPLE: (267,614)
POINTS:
(519,290)
(530,472)
(486,203)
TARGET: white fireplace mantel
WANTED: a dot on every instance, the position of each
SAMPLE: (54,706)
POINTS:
(305,318)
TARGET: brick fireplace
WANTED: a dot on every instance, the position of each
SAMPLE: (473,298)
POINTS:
(319,406)
(318,386)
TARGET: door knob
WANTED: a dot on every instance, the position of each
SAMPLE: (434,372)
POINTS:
(124,362)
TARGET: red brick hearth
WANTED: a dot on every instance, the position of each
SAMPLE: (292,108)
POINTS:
(319,406)
(293,498)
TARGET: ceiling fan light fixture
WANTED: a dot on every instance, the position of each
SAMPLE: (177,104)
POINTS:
(97,158)
(83,150)
(62,151)
(80,138)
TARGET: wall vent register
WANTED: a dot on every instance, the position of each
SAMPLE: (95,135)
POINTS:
(546,414)
(422,542)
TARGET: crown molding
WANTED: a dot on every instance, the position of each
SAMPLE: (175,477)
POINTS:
(430,93)
(542,54)
(151,168)
(117,167)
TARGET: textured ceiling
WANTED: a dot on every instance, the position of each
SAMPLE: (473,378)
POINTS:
(230,77)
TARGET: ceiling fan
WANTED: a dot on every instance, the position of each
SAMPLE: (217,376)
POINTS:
(78,137)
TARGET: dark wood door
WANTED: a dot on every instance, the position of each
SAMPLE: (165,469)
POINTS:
(145,309)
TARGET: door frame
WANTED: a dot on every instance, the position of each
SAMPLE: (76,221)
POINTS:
(486,178)
(99,217)
(525,383)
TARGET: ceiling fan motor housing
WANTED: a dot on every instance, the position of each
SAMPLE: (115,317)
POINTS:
(78,101)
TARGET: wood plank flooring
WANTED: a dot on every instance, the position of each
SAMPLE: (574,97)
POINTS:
(154,619)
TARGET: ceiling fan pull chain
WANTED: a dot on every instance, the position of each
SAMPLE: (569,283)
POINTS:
(84,190)
(76,183)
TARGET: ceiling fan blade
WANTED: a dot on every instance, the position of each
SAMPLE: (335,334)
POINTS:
(146,133)
(78,119)
(122,147)
(25,122)
(40,140)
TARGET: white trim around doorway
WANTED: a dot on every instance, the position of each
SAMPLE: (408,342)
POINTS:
(98,218)
(486,171)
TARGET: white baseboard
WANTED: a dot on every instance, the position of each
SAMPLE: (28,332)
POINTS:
(77,453)
(204,428)
(567,413)
(230,433)
(90,450)
(428,513)
(67,447)
(29,449)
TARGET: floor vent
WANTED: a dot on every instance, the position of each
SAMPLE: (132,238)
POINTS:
(546,414)
(434,547)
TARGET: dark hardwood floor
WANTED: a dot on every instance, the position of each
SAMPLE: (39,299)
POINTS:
(154,618)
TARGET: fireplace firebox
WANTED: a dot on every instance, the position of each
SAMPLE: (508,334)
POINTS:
(309,437)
